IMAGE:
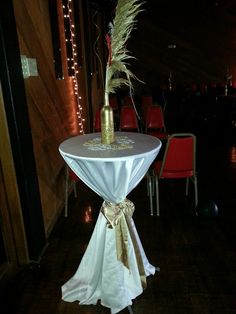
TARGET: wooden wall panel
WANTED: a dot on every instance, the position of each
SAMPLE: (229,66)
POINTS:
(51,103)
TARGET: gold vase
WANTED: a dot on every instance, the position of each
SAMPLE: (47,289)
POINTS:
(107,123)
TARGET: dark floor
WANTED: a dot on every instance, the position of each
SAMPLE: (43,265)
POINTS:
(197,255)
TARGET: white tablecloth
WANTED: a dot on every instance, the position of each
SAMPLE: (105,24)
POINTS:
(112,172)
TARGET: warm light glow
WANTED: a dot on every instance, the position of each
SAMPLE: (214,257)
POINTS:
(88,214)
(72,60)
(233,155)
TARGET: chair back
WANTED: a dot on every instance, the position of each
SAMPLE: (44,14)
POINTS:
(179,156)
(154,118)
(128,119)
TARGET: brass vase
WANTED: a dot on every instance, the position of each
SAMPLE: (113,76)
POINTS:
(107,123)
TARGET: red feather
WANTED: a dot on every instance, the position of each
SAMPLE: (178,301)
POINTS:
(108,40)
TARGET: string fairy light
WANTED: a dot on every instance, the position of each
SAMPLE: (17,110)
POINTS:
(72,63)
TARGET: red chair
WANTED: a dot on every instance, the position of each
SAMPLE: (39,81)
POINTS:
(155,123)
(179,162)
(146,101)
(71,180)
(128,120)
(97,121)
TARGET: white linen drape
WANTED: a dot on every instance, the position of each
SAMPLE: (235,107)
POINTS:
(100,276)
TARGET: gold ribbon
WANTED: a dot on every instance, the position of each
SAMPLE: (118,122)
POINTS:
(118,217)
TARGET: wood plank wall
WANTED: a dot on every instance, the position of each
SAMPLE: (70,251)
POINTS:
(51,104)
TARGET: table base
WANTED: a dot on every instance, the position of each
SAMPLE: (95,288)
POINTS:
(100,276)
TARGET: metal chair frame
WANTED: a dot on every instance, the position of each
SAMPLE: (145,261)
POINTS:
(155,121)
(69,183)
(175,175)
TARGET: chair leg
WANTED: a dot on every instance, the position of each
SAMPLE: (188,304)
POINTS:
(153,184)
(150,188)
(147,177)
(157,195)
(75,189)
(196,191)
(66,192)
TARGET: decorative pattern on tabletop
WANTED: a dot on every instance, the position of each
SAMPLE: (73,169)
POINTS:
(121,142)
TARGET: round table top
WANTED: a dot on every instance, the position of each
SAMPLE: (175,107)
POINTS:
(127,145)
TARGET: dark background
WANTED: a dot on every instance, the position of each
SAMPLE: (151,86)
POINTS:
(203,33)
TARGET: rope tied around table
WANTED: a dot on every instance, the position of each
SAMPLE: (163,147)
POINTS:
(118,217)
